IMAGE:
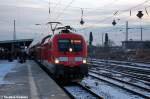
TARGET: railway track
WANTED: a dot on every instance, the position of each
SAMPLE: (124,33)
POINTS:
(124,74)
(79,91)
(124,63)
(143,75)
(133,63)
(132,68)
(106,71)
(146,88)
(123,85)
(74,90)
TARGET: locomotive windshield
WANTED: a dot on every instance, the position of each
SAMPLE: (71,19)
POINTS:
(65,44)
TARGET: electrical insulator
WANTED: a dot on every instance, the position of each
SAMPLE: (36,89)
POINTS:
(140,14)
(114,23)
(81,22)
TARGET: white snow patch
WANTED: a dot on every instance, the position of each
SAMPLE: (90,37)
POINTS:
(79,93)
(108,91)
(5,68)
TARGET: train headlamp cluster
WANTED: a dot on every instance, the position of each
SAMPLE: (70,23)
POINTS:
(65,59)
(84,61)
(70,49)
(56,61)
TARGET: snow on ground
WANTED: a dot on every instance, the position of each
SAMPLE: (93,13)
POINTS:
(135,64)
(142,64)
(122,77)
(145,67)
(5,68)
(79,93)
(108,91)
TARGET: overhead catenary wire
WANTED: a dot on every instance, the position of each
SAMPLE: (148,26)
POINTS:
(55,6)
(92,8)
(76,7)
(102,19)
(69,5)
(131,8)
(98,9)
(116,13)
(60,14)
(86,8)
(146,1)
(49,8)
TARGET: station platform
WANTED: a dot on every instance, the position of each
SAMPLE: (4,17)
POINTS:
(27,81)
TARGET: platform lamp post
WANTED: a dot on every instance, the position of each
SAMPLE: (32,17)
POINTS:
(40,33)
(12,54)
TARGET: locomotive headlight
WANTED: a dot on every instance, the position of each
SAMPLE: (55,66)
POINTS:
(70,49)
(56,61)
(84,61)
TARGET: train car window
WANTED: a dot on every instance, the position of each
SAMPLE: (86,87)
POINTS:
(65,44)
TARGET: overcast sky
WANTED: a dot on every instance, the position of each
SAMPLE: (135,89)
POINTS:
(97,14)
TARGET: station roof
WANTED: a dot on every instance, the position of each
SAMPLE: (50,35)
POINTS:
(17,43)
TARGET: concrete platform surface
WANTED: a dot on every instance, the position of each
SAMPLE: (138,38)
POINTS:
(27,81)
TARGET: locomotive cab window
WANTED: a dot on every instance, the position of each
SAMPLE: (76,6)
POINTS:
(66,45)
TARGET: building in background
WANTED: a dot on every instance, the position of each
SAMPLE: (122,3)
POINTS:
(135,45)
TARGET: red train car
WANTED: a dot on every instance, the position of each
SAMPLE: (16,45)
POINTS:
(64,54)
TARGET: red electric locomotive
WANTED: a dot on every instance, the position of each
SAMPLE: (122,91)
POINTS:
(64,54)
